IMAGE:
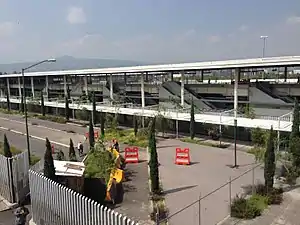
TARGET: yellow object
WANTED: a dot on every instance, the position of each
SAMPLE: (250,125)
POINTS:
(116,176)
(116,154)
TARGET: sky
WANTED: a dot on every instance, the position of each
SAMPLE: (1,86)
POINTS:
(159,31)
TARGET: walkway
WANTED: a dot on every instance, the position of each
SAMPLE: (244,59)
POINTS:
(282,123)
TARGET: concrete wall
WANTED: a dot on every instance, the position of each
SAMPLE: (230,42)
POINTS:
(271,112)
(150,88)
(287,90)
(258,96)
(223,89)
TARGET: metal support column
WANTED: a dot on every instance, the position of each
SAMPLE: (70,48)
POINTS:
(8,87)
(32,86)
(125,79)
(202,75)
(86,85)
(47,87)
(236,83)
(182,88)
(65,85)
(285,73)
(111,87)
(19,86)
(142,90)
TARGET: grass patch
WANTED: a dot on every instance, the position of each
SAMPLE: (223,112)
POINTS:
(201,142)
(56,119)
(9,111)
(127,137)
(34,159)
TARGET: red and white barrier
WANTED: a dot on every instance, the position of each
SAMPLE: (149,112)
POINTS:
(131,155)
(96,134)
(182,156)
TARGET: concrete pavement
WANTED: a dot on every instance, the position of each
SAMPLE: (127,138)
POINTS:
(209,170)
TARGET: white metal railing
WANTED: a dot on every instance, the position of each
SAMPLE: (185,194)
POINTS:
(53,203)
(180,114)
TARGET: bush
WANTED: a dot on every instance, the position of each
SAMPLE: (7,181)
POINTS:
(258,152)
(248,208)
(214,134)
(274,196)
(259,136)
(160,208)
(82,114)
(99,164)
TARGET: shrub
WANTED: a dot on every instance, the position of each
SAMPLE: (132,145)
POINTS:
(60,156)
(214,134)
(143,132)
(99,163)
(160,208)
(82,114)
(248,208)
(274,196)
(258,152)
(259,136)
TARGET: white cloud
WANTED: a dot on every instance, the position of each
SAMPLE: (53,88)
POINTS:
(214,39)
(7,29)
(243,28)
(293,20)
(76,15)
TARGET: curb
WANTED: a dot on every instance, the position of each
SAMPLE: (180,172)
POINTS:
(223,220)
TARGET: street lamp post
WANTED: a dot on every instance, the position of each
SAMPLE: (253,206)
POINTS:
(264,37)
(24,100)
(264,44)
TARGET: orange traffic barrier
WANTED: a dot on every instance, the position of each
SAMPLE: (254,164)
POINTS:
(131,155)
(182,156)
(96,134)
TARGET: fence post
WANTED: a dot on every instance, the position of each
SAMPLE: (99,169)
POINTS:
(199,209)
(229,192)
(11,179)
(253,181)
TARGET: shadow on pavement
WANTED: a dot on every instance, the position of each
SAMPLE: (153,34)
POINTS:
(170,191)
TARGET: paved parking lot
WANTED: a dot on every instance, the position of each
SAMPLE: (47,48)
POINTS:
(209,170)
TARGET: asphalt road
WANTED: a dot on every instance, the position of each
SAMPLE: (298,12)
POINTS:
(19,141)
(63,127)
(14,127)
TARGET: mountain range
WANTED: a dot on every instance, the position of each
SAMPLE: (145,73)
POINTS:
(69,63)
